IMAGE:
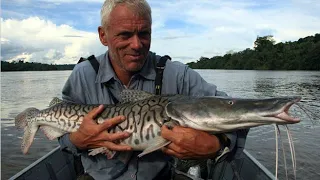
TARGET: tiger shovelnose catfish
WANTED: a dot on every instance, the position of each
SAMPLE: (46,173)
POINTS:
(145,114)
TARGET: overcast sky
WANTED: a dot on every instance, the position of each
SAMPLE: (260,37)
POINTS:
(61,31)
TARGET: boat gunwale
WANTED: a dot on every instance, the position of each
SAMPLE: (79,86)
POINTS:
(26,169)
(43,158)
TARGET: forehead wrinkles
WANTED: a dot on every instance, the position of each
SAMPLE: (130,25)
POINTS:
(132,25)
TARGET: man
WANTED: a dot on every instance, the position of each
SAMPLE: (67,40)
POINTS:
(126,31)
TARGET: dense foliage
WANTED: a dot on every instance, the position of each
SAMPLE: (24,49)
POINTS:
(26,66)
(303,54)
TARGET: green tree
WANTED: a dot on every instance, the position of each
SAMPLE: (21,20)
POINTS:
(264,43)
(303,54)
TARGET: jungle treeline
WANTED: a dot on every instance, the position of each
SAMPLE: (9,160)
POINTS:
(303,54)
(33,66)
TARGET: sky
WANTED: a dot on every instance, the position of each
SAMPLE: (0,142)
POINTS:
(62,31)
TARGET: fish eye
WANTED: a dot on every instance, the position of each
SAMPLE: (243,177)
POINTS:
(230,102)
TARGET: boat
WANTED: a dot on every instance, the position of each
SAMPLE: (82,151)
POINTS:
(59,165)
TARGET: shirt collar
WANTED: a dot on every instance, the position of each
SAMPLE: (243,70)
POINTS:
(148,70)
(106,72)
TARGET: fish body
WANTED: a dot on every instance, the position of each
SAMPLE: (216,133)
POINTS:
(146,113)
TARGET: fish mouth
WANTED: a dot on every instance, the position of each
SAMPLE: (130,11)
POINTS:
(283,114)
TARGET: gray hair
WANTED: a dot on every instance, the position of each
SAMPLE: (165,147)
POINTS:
(140,6)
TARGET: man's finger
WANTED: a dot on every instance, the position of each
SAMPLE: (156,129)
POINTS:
(172,153)
(116,147)
(168,134)
(119,136)
(187,155)
(94,112)
(108,123)
(177,148)
(114,136)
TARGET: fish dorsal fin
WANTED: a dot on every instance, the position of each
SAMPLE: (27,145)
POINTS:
(55,101)
(128,95)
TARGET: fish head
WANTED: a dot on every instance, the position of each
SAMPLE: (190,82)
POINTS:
(223,114)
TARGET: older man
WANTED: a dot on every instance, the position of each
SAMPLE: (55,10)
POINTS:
(126,31)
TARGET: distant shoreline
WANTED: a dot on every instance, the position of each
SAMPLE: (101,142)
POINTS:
(194,69)
(33,66)
(35,70)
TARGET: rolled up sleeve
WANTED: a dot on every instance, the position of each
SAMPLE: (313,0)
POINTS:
(66,145)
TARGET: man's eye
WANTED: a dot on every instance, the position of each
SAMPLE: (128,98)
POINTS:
(144,34)
(125,34)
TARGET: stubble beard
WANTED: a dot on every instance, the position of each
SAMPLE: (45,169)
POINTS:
(122,66)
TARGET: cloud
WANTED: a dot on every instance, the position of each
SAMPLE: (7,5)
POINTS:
(62,31)
(215,27)
(73,36)
(43,41)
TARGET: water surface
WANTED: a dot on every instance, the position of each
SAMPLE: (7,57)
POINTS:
(20,90)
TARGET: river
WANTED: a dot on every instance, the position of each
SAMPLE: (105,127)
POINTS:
(20,90)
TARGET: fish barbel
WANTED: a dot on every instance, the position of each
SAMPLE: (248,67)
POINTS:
(146,113)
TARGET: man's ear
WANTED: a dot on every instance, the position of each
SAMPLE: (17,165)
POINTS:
(102,35)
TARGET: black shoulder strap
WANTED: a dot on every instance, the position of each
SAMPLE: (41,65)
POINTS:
(94,62)
(159,70)
(81,60)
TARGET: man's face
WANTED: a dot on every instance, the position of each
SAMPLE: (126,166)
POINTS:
(128,37)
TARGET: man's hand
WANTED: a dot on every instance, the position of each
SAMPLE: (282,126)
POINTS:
(189,143)
(93,135)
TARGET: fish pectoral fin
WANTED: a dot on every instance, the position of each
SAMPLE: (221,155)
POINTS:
(102,150)
(157,143)
(28,136)
(52,132)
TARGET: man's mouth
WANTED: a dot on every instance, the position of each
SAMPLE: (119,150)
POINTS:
(135,56)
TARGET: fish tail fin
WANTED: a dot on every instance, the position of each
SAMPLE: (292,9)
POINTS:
(25,121)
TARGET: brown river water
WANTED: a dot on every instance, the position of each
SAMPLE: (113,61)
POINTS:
(20,90)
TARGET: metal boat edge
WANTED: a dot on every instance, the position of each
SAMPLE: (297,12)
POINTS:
(54,166)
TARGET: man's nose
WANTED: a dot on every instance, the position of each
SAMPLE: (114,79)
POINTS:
(136,42)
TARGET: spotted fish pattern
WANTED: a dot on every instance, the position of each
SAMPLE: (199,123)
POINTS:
(144,119)
(146,113)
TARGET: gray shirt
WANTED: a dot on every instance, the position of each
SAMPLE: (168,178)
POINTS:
(86,87)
